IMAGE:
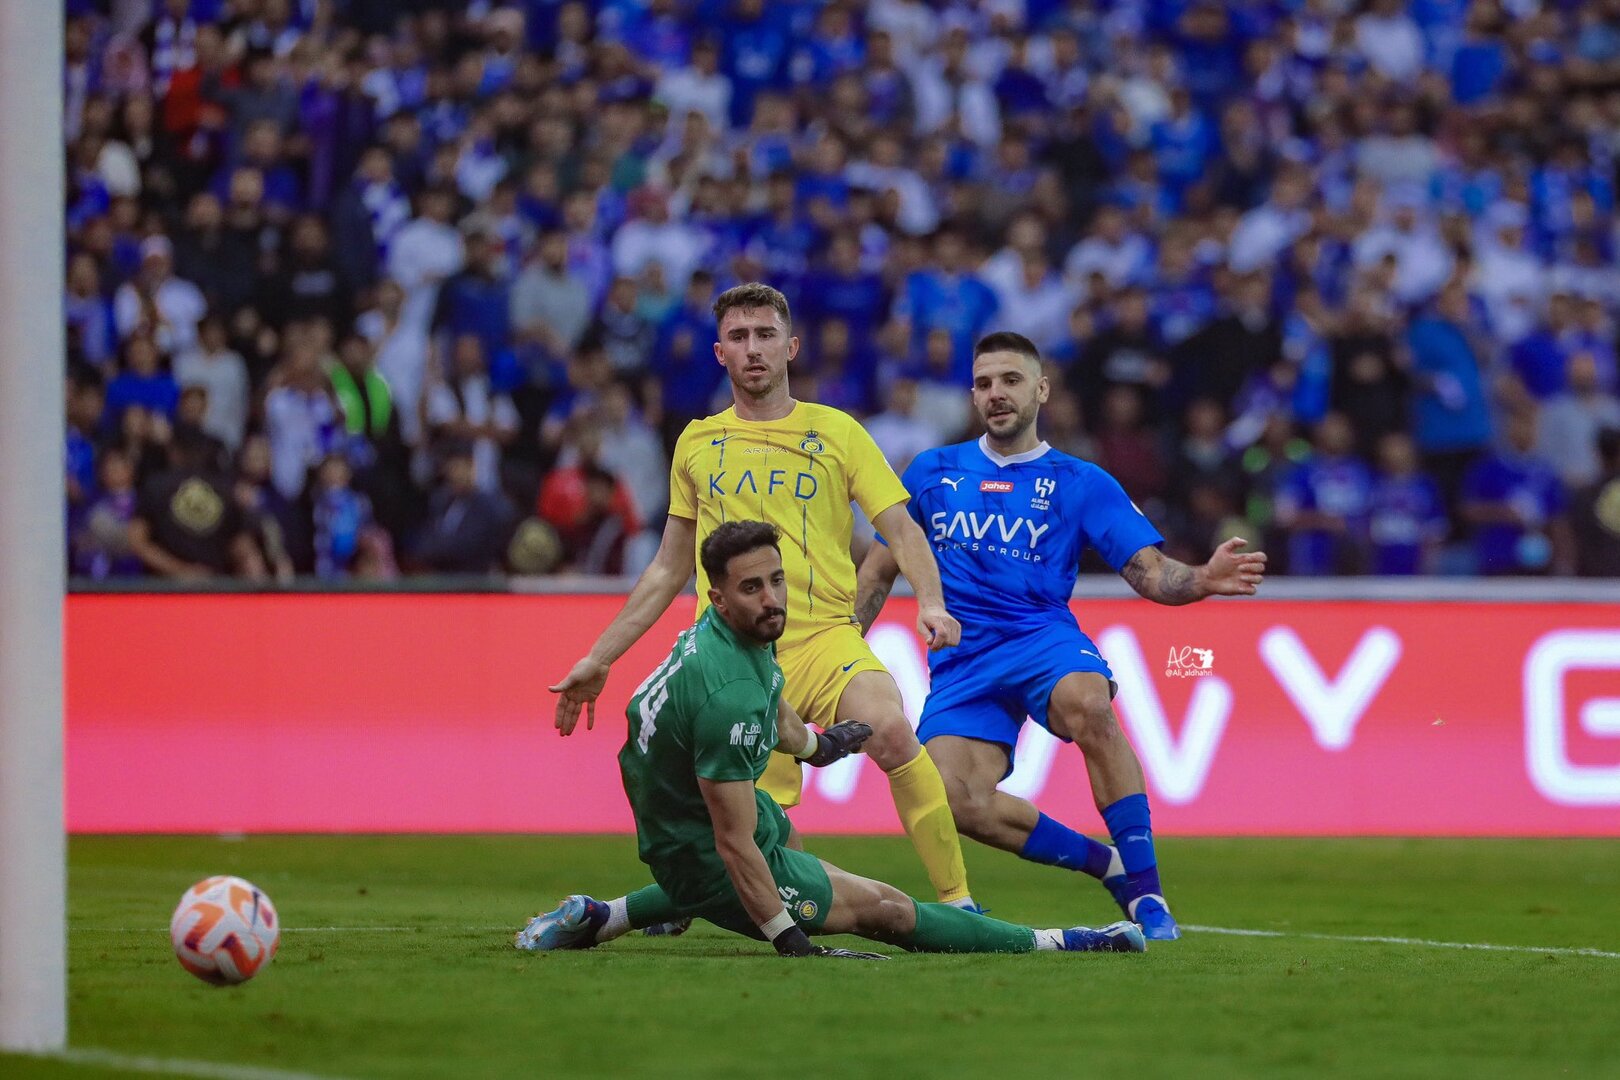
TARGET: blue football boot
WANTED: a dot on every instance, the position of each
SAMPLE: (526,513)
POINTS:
(573,925)
(1115,937)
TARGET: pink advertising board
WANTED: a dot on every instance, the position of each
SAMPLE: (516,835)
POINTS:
(406,713)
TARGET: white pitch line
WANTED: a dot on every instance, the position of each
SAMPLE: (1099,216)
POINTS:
(1231,931)
(210,1070)
(1375,939)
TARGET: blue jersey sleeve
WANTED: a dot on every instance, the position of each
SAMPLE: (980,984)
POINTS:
(1112,523)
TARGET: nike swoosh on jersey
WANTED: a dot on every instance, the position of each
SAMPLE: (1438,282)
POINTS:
(849,665)
(721,441)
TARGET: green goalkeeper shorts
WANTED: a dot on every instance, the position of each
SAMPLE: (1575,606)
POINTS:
(800,879)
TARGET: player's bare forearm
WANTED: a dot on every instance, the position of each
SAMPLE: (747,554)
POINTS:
(873,583)
(650,598)
(914,558)
(792,736)
(1162,579)
(654,591)
(735,814)
(1229,572)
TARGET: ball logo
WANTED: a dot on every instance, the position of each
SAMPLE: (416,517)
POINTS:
(807,911)
(811,443)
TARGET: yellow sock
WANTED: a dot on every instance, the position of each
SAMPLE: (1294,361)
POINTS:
(919,796)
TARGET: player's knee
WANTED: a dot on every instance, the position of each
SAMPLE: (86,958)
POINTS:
(893,742)
(1083,713)
(889,912)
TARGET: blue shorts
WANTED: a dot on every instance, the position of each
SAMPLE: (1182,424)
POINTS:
(986,693)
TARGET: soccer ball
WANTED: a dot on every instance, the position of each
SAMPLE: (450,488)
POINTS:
(224,930)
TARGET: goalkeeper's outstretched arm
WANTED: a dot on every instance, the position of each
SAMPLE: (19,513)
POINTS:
(655,590)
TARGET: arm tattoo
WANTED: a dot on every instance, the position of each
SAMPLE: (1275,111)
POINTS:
(1136,571)
(1177,583)
(1161,579)
(867,606)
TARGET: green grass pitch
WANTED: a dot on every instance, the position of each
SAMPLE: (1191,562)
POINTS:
(446,996)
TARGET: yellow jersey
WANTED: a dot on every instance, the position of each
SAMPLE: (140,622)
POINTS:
(799,473)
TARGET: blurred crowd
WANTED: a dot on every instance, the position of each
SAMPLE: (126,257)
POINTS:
(358,288)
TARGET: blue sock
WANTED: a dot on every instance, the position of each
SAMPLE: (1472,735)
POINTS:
(1052,843)
(1130,825)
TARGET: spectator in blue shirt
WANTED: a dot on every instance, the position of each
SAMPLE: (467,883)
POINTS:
(1451,417)
(755,57)
(683,357)
(838,288)
(947,296)
(1516,505)
(1406,517)
(477,301)
(140,381)
(1323,504)
(1540,359)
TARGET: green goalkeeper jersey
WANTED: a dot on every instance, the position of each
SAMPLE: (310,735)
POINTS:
(709,710)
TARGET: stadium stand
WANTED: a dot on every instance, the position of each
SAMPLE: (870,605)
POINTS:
(368,288)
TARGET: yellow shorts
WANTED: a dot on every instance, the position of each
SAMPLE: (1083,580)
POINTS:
(815,673)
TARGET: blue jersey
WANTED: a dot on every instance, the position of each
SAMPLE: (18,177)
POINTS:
(1008,533)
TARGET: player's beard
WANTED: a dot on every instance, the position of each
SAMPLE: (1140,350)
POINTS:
(762,630)
(1024,418)
(773,382)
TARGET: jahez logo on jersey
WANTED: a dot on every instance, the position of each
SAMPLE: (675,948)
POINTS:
(995,485)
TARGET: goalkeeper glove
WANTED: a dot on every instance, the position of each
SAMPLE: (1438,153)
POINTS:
(795,942)
(836,743)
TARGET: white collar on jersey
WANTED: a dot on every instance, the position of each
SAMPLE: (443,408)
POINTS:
(1015,459)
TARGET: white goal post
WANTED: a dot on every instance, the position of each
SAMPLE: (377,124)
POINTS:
(33,872)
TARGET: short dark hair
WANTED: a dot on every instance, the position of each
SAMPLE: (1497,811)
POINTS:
(754,294)
(735,538)
(1007,341)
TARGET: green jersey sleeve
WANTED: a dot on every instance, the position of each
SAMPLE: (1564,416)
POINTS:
(734,732)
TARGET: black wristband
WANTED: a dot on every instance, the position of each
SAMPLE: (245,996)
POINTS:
(793,942)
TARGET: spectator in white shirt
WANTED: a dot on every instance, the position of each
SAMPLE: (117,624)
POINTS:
(1510,281)
(1423,263)
(424,253)
(402,356)
(698,87)
(1390,41)
(1037,303)
(1567,436)
(898,431)
(1264,232)
(653,237)
(1112,250)
(467,407)
(300,418)
(550,305)
(166,306)
(220,370)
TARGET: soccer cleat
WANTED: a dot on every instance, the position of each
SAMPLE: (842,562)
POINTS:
(1148,908)
(1115,937)
(1153,914)
(669,929)
(573,925)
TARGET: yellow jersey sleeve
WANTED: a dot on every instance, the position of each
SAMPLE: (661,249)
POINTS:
(872,483)
(682,489)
